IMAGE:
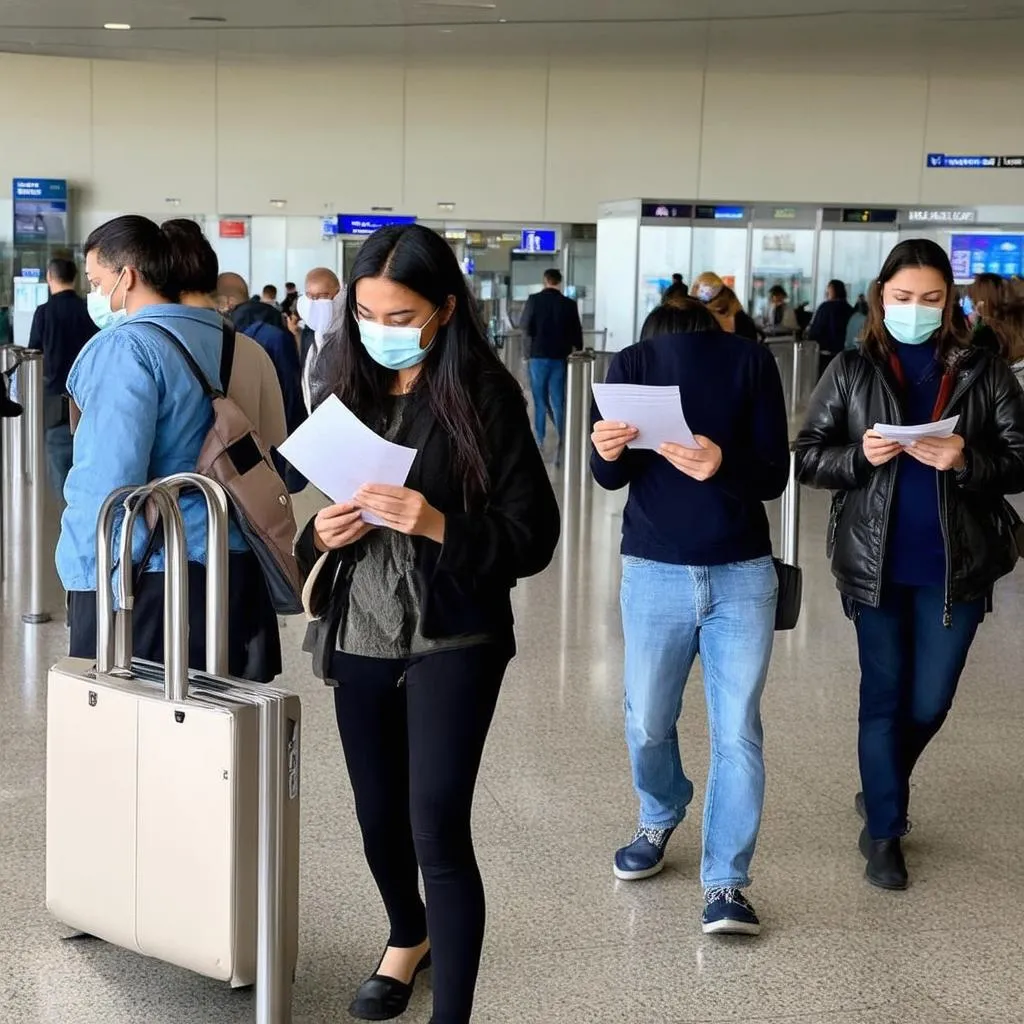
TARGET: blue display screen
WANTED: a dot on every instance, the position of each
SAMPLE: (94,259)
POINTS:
(986,254)
(367,223)
(537,240)
(40,210)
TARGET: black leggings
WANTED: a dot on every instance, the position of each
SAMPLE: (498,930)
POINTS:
(413,735)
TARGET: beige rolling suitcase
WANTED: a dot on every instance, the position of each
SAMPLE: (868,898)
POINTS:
(172,803)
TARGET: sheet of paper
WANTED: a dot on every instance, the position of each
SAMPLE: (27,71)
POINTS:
(908,435)
(338,454)
(657,412)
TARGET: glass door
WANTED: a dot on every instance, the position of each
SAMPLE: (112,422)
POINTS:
(781,256)
(722,251)
(854,256)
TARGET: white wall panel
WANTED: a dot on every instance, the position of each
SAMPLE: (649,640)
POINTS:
(44,122)
(620,131)
(812,138)
(975,116)
(325,138)
(475,136)
(154,137)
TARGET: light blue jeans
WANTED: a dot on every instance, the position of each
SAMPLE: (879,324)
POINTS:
(726,613)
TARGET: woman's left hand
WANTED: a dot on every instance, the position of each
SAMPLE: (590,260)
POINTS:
(941,453)
(402,510)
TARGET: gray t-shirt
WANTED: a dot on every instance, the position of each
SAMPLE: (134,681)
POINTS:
(383,617)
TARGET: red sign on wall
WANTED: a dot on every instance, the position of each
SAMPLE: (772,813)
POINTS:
(233,228)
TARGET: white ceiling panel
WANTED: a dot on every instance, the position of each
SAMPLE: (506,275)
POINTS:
(783,29)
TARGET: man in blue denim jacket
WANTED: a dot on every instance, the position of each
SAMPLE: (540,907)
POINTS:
(142,416)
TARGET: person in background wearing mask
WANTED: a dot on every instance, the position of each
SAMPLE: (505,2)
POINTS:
(723,305)
(918,535)
(254,385)
(314,313)
(423,600)
(144,416)
(279,345)
(291,294)
(779,317)
(828,328)
(60,328)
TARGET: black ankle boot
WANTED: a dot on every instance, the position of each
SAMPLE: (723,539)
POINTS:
(886,867)
(384,998)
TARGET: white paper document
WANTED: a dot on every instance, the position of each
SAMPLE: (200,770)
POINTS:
(656,412)
(908,435)
(338,454)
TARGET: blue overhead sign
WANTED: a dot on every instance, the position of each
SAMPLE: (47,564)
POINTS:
(538,240)
(368,223)
(45,189)
(946,162)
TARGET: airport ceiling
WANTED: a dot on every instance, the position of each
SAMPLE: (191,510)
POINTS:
(805,32)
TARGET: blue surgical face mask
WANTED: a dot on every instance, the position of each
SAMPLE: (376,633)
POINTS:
(99,307)
(911,324)
(395,348)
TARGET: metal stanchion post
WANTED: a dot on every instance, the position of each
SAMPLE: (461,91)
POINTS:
(794,397)
(586,393)
(791,517)
(31,392)
(575,417)
(10,441)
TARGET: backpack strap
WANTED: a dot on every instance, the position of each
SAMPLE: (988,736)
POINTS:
(193,366)
(227,354)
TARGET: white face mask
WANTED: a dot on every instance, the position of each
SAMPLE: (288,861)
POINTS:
(318,314)
(100,310)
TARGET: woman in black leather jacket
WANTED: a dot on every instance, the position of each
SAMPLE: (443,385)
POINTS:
(918,535)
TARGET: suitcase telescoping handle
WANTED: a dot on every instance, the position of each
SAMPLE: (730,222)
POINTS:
(175,588)
(217,579)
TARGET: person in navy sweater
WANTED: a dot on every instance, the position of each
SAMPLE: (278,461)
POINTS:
(698,578)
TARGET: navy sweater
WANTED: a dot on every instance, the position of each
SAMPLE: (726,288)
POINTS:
(732,394)
(916,552)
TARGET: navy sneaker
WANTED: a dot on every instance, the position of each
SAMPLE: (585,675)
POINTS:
(728,912)
(645,855)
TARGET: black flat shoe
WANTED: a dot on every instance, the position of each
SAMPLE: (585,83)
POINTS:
(384,998)
(886,868)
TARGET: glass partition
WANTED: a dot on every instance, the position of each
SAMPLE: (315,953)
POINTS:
(664,251)
(780,257)
(853,257)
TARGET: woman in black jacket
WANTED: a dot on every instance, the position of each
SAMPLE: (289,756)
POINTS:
(919,534)
(413,615)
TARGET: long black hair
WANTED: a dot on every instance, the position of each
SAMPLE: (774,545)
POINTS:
(917,253)
(421,260)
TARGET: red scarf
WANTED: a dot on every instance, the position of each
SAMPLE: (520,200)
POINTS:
(945,387)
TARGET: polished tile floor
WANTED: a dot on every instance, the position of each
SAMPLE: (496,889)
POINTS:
(566,942)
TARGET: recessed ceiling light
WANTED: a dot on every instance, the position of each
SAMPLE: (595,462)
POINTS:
(503,21)
(117,26)
(471,4)
(279,204)
(446,31)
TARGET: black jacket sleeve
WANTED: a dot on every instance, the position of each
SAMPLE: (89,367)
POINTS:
(527,323)
(995,463)
(826,455)
(761,469)
(516,534)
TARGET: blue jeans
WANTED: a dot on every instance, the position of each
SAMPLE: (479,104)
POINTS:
(726,613)
(910,666)
(58,457)
(547,384)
